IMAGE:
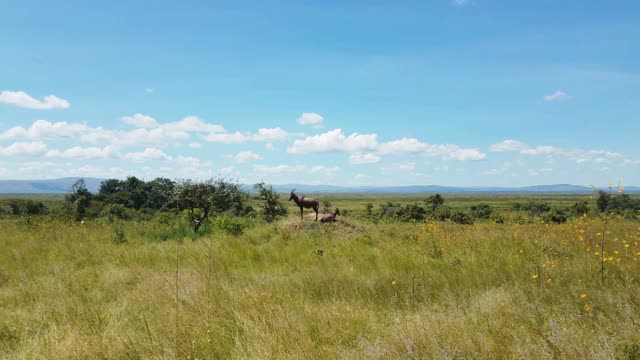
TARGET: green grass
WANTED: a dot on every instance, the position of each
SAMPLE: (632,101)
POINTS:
(388,290)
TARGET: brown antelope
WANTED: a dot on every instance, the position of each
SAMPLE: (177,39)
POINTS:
(303,203)
(330,217)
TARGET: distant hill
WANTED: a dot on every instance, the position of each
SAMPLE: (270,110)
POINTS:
(62,186)
(53,186)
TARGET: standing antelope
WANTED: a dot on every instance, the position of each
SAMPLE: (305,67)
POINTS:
(330,217)
(303,202)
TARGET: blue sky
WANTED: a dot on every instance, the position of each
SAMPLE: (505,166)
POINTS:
(445,92)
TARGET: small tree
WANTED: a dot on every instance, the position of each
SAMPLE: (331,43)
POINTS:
(80,198)
(602,202)
(201,200)
(196,199)
(435,201)
(271,207)
(481,211)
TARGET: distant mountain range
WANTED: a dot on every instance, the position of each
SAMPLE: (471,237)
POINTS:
(62,186)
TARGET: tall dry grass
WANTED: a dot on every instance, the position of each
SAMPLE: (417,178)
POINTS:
(433,290)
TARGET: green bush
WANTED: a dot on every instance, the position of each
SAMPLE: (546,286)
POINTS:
(461,217)
(272,207)
(442,213)
(229,225)
(481,211)
(556,215)
(410,212)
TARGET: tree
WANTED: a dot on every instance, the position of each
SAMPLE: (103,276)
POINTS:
(435,201)
(602,202)
(580,208)
(196,199)
(203,199)
(481,211)
(159,193)
(80,198)
(271,207)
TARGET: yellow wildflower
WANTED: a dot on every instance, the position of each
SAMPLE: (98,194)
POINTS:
(534,276)
(583,296)
(586,307)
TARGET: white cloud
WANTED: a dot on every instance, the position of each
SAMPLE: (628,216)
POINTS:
(139,120)
(42,129)
(557,96)
(508,145)
(630,162)
(149,90)
(270,147)
(22,99)
(327,171)
(359,159)
(195,145)
(86,153)
(361,176)
(226,138)
(577,155)
(24,149)
(193,124)
(147,154)
(445,151)
(333,141)
(245,156)
(158,137)
(310,119)
(264,169)
(274,134)
(574,154)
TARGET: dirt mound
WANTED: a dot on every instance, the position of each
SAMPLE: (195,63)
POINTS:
(308,224)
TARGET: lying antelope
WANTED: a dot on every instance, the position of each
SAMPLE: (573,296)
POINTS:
(303,203)
(330,217)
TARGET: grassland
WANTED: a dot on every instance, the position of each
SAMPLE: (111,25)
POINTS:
(353,289)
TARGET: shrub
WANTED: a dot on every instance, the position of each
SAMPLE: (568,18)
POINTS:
(116,211)
(442,213)
(482,211)
(410,212)
(229,225)
(556,215)
(118,236)
(272,207)
(580,208)
(461,217)
(434,201)
(536,207)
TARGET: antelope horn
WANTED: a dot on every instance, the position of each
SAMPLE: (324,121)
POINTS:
(292,191)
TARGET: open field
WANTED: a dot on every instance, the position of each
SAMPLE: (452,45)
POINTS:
(352,289)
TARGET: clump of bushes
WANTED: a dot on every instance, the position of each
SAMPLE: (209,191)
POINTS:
(481,211)
(21,207)
(460,217)
(272,207)
(557,216)
(619,203)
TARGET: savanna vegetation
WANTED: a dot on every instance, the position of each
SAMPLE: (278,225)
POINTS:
(165,269)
